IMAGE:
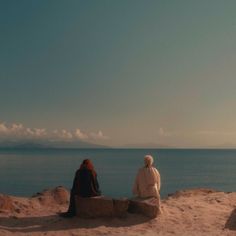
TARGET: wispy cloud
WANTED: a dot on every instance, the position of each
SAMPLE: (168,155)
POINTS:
(19,131)
(164,133)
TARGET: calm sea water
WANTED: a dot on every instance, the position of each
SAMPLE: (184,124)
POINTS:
(25,172)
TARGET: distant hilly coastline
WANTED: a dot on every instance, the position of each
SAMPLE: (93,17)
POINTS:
(147,145)
(165,146)
(58,144)
(49,144)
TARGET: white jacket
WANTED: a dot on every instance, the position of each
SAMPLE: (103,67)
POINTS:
(147,182)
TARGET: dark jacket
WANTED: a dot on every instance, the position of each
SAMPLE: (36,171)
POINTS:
(85,183)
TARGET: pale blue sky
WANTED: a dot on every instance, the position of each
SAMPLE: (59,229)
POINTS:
(139,71)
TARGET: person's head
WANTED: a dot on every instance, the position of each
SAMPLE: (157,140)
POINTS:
(148,161)
(88,165)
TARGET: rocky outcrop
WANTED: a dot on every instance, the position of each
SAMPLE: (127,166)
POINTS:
(101,207)
(94,207)
(6,203)
(50,198)
(149,207)
(58,195)
(190,212)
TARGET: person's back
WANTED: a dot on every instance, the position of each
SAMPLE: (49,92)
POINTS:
(85,184)
(88,185)
(148,181)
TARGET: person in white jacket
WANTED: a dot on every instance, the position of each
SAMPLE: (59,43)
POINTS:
(148,181)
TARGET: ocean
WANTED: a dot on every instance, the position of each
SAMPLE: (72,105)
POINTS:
(25,172)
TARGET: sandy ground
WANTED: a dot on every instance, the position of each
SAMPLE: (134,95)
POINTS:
(190,212)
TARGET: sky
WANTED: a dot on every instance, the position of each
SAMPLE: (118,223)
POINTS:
(119,73)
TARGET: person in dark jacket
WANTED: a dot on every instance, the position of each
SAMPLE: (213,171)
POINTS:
(85,184)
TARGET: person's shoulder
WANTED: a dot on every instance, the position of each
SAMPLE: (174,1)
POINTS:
(155,169)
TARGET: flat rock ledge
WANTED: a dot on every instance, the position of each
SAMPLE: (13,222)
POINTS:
(101,207)
(149,207)
(107,207)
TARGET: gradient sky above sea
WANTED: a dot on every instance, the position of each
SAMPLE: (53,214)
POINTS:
(135,72)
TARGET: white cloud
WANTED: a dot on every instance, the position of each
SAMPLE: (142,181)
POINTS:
(39,132)
(3,128)
(98,136)
(18,131)
(80,135)
(164,133)
(16,128)
(62,134)
(29,131)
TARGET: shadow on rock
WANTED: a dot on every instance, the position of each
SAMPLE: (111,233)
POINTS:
(231,222)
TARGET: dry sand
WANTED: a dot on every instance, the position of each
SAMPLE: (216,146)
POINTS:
(190,212)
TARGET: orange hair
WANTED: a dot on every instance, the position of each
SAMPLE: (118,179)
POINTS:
(88,165)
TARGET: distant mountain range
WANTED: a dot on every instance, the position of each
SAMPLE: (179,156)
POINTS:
(43,144)
(147,145)
(165,146)
(57,144)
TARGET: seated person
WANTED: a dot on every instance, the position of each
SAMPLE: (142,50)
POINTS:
(85,184)
(147,182)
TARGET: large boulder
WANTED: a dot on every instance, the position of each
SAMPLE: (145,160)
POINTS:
(58,195)
(94,207)
(6,203)
(149,207)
